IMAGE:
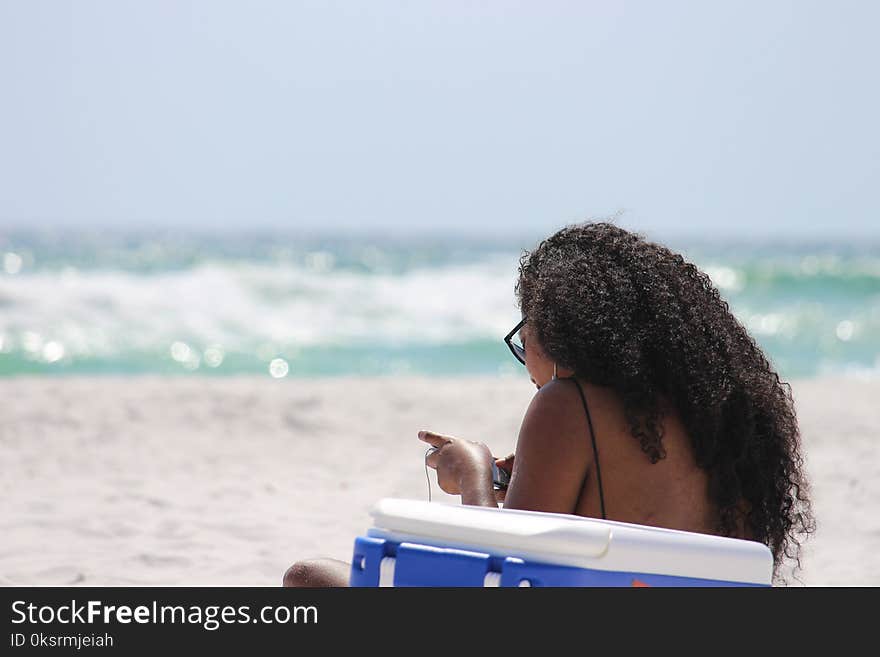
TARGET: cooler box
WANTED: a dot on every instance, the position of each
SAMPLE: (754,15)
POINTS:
(416,543)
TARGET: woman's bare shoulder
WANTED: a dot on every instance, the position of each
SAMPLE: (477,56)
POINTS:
(560,400)
(557,407)
(550,443)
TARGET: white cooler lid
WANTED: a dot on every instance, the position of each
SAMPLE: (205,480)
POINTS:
(574,540)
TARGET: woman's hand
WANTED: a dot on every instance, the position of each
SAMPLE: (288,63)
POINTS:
(463,468)
(505,464)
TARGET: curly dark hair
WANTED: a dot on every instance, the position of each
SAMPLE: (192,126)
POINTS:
(631,315)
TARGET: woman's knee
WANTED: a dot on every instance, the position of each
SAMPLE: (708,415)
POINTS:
(316,573)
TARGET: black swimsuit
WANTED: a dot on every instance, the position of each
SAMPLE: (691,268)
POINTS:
(595,449)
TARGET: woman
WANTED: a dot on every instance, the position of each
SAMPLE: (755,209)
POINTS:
(654,405)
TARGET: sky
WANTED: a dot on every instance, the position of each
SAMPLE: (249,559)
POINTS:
(710,119)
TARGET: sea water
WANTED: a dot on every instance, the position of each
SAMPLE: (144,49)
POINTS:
(283,305)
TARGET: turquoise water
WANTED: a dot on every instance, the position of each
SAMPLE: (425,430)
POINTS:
(281,305)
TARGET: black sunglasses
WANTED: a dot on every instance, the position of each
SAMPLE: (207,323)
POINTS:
(518,351)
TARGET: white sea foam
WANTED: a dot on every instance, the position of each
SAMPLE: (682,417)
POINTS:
(224,305)
(352,307)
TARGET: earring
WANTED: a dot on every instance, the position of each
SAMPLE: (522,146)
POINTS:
(555,375)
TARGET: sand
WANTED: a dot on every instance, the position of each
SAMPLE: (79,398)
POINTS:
(200,481)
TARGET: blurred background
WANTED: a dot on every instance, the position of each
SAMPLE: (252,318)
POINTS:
(292,189)
(249,249)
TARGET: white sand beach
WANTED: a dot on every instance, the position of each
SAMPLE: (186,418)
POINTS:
(200,481)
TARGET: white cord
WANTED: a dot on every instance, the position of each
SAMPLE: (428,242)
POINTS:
(427,477)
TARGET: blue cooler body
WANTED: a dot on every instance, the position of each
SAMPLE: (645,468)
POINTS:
(415,543)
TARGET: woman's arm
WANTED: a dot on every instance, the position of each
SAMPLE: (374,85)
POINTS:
(477,490)
(553,453)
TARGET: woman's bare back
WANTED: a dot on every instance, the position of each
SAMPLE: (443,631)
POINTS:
(671,493)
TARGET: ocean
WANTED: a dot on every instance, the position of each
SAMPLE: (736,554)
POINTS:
(281,305)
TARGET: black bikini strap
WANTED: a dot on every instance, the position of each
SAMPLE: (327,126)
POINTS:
(595,449)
